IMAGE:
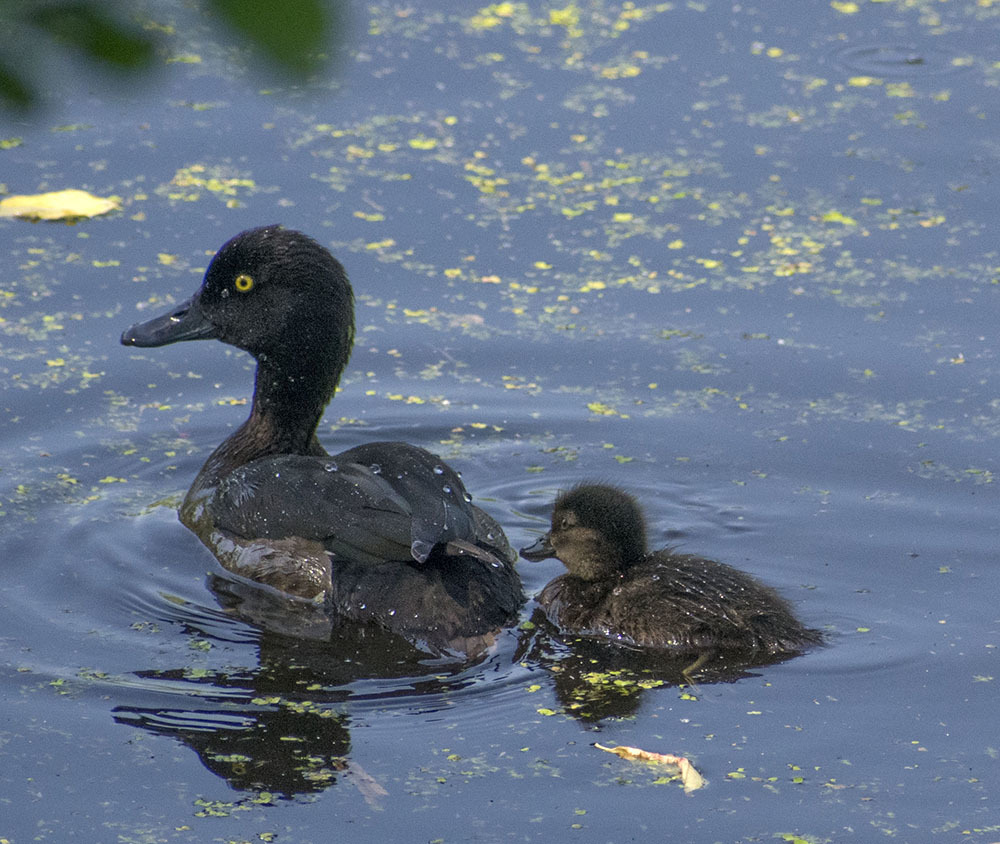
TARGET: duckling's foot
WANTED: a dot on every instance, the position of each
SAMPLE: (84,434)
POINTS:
(689,672)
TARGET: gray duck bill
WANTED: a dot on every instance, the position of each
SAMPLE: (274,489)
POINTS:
(185,322)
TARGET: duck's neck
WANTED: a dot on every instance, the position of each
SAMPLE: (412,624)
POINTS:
(288,403)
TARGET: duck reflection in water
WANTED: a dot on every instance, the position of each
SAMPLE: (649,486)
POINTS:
(283,725)
(383,533)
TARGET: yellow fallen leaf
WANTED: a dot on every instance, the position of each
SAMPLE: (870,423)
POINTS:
(369,787)
(601,409)
(690,778)
(58,205)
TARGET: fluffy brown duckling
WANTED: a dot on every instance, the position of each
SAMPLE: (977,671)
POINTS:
(617,589)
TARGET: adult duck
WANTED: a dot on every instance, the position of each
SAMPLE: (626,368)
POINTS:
(615,588)
(384,532)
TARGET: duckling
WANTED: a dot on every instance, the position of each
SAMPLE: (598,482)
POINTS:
(615,588)
(383,532)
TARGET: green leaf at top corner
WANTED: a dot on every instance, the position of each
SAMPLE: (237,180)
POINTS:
(292,33)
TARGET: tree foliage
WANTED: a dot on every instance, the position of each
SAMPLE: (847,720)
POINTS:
(294,35)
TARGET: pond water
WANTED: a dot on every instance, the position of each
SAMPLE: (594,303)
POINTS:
(740,259)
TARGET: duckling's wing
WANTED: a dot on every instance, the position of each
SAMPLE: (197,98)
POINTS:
(347,507)
(726,608)
(441,508)
(707,594)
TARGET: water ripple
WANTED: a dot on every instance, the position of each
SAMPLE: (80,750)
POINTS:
(896,60)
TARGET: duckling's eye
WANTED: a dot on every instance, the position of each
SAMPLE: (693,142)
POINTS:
(564,523)
(243,283)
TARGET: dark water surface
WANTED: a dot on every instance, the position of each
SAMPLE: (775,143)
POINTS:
(738,258)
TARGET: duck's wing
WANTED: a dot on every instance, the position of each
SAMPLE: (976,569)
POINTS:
(349,508)
(488,531)
(377,502)
(442,512)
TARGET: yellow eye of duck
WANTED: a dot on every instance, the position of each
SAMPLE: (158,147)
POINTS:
(243,283)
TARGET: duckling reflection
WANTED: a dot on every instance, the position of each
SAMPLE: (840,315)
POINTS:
(383,533)
(596,679)
(683,604)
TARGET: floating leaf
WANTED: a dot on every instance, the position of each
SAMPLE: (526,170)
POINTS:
(601,409)
(369,787)
(837,217)
(690,778)
(58,205)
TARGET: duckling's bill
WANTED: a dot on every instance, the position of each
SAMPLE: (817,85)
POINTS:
(540,549)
